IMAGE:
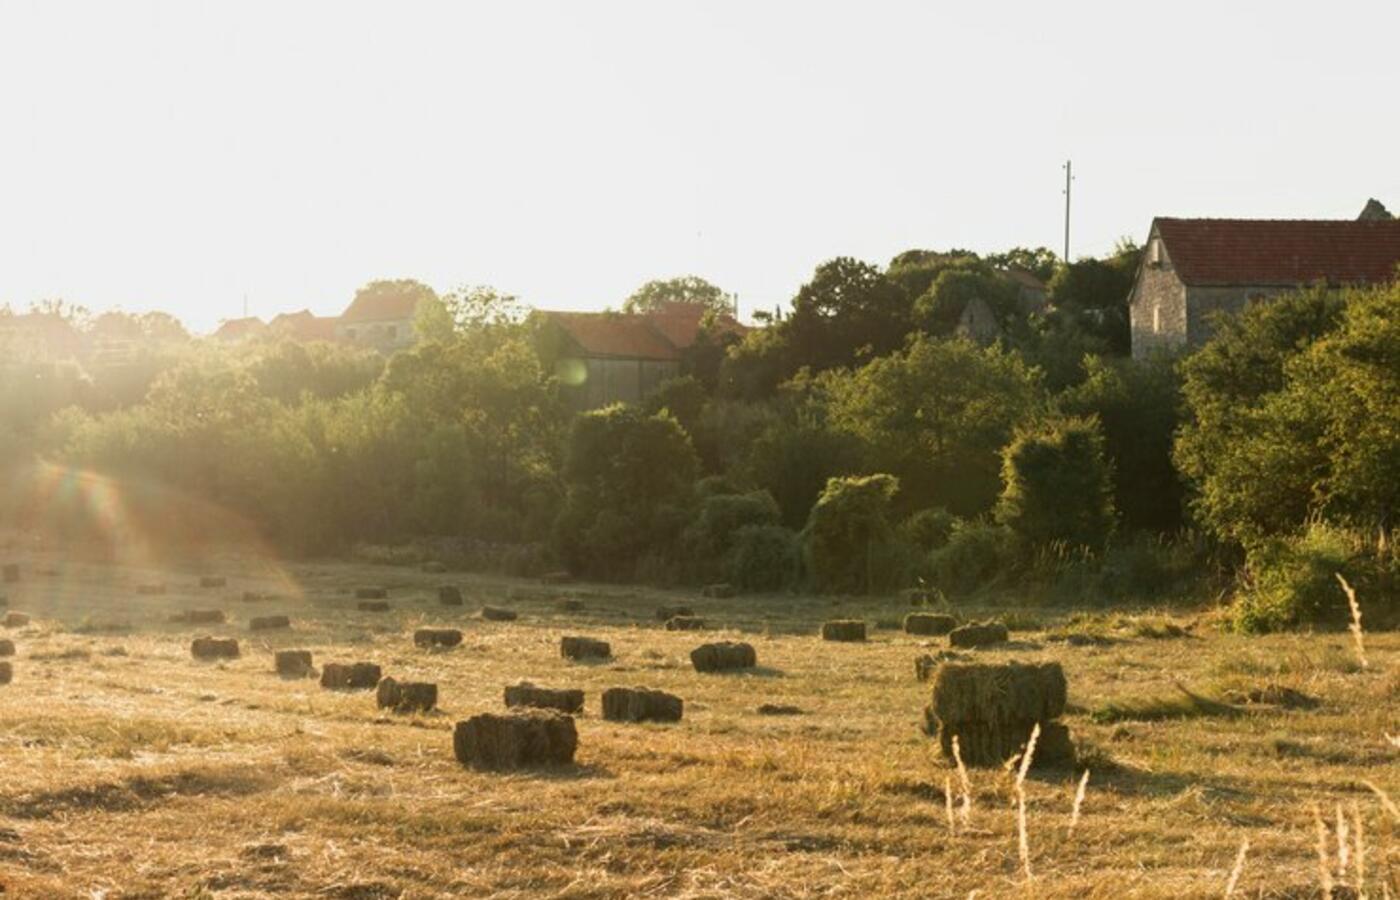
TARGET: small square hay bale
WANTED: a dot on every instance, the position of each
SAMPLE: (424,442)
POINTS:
(437,638)
(268,623)
(11,573)
(214,648)
(7,647)
(200,617)
(16,620)
(565,700)
(983,634)
(516,740)
(779,709)
(569,605)
(449,595)
(433,567)
(360,676)
(721,591)
(406,696)
(213,581)
(685,623)
(641,705)
(254,597)
(371,593)
(723,656)
(929,623)
(150,590)
(584,648)
(667,613)
(496,614)
(7,673)
(843,630)
(294,663)
(374,606)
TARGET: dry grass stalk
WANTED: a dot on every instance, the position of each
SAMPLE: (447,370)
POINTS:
(1343,845)
(966,811)
(1355,627)
(1079,800)
(1393,740)
(1022,838)
(1324,858)
(1389,804)
(1360,850)
(1238,869)
(948,803)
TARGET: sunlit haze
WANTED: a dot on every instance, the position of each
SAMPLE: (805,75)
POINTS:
(189,156)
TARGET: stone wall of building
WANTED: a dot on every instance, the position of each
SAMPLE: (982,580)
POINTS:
(1158,309)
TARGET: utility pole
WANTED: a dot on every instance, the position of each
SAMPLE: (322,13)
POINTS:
(1069,178)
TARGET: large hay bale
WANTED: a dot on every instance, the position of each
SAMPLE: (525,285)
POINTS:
(723,656)
(667,613)
(406,696)
(16,620)
(641,705)
(374,606)
(150,590)
(983,634)
(569,604)
(843,630)
(268,623)
(360,676)
(213,581)
(11,573)
(519,739)
(214,648)
(294,663)
(497,614)
(371,593)
(992,709)
(722,591)
(200,617)
(7,673)
(449,595)
(434,567)
(437,638)
(685,623)
(7,647)
(565,700)
(584,648)
(929,623)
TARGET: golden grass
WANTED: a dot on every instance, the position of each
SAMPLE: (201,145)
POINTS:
(131,771)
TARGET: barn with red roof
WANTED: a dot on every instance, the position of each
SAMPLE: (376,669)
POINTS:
(1194,268)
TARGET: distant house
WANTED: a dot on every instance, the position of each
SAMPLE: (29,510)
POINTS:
(381,320)
(235,331)
(609,357)
(977,322)
(1032,297)
(1192,268)
(303,326)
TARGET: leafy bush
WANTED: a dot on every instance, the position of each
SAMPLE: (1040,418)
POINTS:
(1295,580)
(977,554)
(1057,486)
(928,529)
(764,558)
(849,544)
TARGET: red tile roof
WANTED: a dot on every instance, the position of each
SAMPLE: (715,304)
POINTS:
(1281,251)
(237,329)
(661,334)
(382,305)
(304,326)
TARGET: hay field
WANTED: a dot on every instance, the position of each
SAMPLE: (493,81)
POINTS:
(130,770)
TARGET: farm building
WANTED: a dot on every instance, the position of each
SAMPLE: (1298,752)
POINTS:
(1192,268)
(303,326)
(610,357)
(382,320)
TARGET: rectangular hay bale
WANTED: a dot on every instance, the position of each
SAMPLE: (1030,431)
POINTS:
(622,704)
(565,700)
(516,740)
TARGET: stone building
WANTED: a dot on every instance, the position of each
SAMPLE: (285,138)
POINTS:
(1194,268)
(381,320)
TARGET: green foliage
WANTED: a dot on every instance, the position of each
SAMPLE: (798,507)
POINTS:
(937,415)
(684,398)
(688,289)
(1294,580)
(928,529)
(720,516)
(793,461)
(1094,293)
(1058,485)
(938,309)
(977,555)
(1136,404)
(764,558)
(849,543)
(286,370)
(628,478)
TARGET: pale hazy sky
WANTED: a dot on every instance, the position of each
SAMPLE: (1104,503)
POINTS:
(182,155)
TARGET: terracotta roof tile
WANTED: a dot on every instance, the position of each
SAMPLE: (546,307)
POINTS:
(1281,251)
(615,334)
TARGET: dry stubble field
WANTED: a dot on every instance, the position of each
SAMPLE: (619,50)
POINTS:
(129,770)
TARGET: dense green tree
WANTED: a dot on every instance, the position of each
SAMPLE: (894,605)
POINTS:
(689,289)
(1094,293)
(938,309)
(1058,485)
(850,543)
